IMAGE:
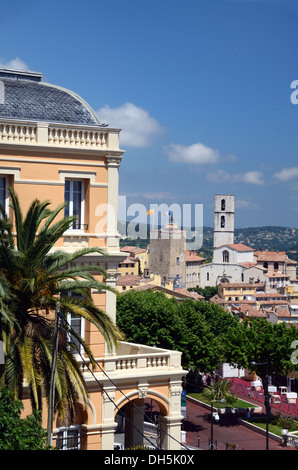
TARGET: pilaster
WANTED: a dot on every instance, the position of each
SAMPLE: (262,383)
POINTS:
(113,163)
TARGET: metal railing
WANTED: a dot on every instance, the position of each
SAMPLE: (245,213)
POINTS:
(247,391)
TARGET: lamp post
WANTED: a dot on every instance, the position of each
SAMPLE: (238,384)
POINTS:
(214,416)
(53,376)
(211,437)
(267,397)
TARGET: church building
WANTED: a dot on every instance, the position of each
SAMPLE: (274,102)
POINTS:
(229,259)
(237,263)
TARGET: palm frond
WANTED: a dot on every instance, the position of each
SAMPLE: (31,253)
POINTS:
(94,315)
(13,370)
(31,374)
(18,215)
(6,236)
(35,214)
(45,241)
(60,259)
(33,277)
(52,216)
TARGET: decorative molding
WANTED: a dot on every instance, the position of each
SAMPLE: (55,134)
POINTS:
(108,395)
(113,161)
(143,390)
(75,174)
(175,389)
(52,162)
(10,170)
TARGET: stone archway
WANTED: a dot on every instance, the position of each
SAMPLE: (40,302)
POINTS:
(166,435)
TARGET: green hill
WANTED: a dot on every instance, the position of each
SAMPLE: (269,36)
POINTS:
(268,238)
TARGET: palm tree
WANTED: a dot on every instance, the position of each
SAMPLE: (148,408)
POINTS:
(33,278)
(220,391)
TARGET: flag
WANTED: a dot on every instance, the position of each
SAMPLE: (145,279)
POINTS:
(169,213)
(150,212)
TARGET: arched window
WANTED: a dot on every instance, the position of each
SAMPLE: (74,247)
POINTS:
(275,266)
(225,256)
(222,221)
(265,265)
(223,204)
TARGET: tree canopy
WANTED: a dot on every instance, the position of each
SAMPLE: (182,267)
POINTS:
(259,341)
(205,333)
(17,433)
(191,327)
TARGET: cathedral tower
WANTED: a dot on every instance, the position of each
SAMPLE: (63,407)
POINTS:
(223,220)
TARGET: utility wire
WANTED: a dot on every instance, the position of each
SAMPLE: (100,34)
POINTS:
(129,400)
(116,406)
(137,407)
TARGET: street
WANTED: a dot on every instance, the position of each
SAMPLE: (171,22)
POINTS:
(198,426)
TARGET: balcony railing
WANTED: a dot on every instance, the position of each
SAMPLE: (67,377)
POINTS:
(130,357)
(58,135)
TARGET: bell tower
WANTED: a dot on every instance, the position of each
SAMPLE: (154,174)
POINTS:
(223,220)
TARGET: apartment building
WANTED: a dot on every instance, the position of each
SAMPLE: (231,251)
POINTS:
(139,254)
(129,267)
(193,263)
(231,291)
(276,261)
(54,147)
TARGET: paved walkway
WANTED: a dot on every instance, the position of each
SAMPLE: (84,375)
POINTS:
(198,425)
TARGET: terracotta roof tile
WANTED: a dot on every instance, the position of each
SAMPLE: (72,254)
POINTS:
(236,284)
(271,256)
(247,310)
(129,280)
(240,247)
(129,260)
(190,256)
(193,295)
(276,274)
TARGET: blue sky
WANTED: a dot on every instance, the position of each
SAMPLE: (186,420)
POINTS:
(201,89)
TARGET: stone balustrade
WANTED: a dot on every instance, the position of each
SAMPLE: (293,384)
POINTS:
(17,133)
(131,357)
(55,135)
(77,138)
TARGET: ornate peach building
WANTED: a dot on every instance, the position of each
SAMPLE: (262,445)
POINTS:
(53,147)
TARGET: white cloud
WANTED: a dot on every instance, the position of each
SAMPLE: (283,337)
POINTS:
(217,176)
(153,195)
(16,63)
(287,174)
(139,129)
(242,204)
(196,153)
(250,177)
